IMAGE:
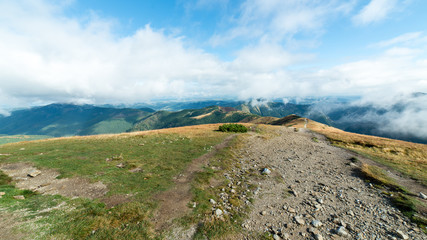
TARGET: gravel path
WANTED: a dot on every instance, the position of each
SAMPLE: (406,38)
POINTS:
(314,192)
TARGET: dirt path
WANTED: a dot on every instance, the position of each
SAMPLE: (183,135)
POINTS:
(314,191)
(173,203)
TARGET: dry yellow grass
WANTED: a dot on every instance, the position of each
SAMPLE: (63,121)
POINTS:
(203,115)
(406,157)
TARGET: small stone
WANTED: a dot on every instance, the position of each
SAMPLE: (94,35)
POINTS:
(313,230)
(285,235)
(136,170)
(342,232)
(263,213)
(318,237)
(299,220)
(212,201)
(291,210)
(351,213)
(265,171)
(276,237)
(401,234)
(319,200)
(20,197)
(120,165)
(316,223)
(422,195)
(218,212)
(34,173)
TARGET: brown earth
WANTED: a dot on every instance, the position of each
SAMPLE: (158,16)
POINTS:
(316,182)
(174,202)
(47,183)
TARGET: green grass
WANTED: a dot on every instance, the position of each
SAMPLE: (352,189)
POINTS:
(160,156)
(19,138)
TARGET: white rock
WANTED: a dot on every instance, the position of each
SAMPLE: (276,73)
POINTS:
(299,220)
(422,195)
(34,173)
(342,232)
(276,237)
(212,201)
(266,171)
(218,212)
(401,234)
(316,223)
(318,237)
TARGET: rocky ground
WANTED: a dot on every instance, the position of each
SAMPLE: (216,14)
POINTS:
(308,189)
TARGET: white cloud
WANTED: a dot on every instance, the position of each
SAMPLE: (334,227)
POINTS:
(60,59)
(404,38)
(276,20)
(375,11)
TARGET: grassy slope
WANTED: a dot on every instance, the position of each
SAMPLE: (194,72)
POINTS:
(162,154)
(19,138)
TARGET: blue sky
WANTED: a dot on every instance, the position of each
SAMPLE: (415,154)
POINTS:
(105,51)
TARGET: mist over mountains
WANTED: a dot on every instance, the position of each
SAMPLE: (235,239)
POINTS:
(402,119)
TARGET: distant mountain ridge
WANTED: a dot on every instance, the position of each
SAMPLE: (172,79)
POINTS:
(68,119)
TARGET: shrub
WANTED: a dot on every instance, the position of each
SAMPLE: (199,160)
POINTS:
(230,127)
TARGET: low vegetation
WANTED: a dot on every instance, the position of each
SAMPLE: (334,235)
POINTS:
(19,138)
(159,155)
(232,127)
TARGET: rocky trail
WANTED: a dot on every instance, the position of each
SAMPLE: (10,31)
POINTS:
(312,190)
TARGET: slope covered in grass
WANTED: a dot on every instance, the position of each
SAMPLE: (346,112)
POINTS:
(134,166)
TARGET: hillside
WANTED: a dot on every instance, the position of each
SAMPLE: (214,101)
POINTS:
(213,114)
(195,183)
(67,119)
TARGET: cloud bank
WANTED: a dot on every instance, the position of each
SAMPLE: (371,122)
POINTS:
(48,56)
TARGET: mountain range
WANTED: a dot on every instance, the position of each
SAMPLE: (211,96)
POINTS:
(68,119)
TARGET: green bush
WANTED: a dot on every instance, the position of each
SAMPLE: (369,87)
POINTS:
(231,127)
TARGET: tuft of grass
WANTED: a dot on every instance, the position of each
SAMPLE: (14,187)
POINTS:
(354,160)
(379,176)
(4,179)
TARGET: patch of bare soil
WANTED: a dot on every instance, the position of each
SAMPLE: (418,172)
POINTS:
(318,194)
(46,182)
(9,222)
(173,203)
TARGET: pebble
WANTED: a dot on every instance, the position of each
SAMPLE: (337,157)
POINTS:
(318,237)
(34,173)
(218,212)
(212,201)
(266,171)
(299,220)
(401,234)
(422,195)
(20,197)
(276,237)
(342,232)
(316,223)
